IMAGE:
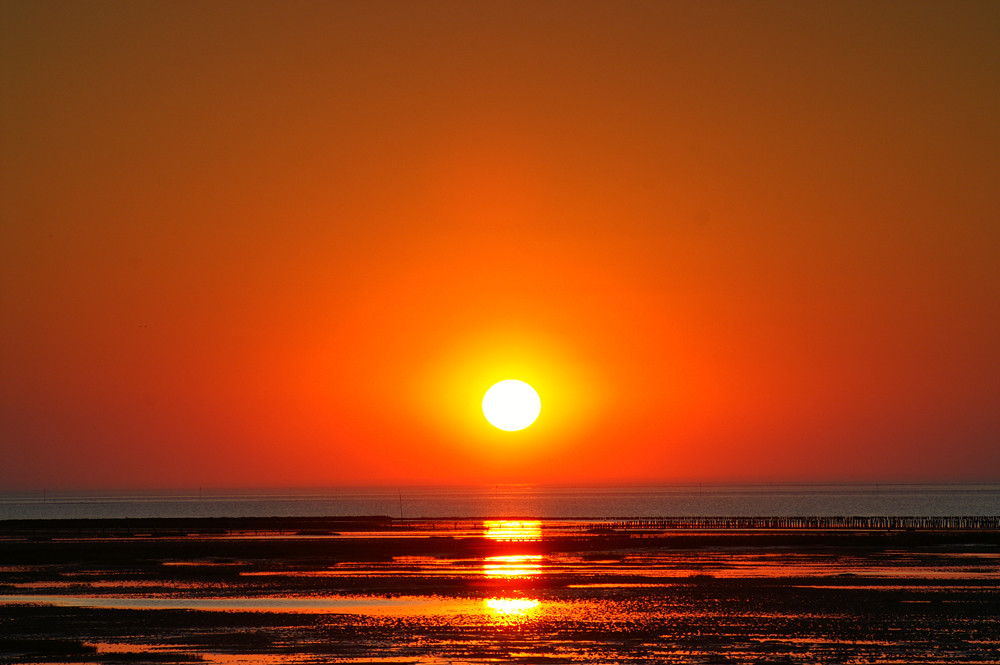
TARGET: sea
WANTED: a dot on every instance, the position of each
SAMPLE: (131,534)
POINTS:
(518,501)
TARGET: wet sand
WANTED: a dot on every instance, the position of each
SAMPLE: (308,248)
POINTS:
(377,590)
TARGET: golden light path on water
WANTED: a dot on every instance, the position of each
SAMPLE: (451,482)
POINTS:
(513,565)
(513,531)
(505,609)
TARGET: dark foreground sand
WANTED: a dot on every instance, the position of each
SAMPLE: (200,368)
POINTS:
(378,591)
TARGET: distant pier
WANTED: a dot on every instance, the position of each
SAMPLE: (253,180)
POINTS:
(854,523)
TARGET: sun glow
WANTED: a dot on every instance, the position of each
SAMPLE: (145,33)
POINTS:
(511,405)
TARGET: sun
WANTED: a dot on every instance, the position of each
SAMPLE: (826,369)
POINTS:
(511,405)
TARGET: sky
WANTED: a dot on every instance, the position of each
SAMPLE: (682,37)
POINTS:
(262,244)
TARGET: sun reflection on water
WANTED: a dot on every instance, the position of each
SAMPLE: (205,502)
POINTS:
(513,530)
(507,609)
(513,565)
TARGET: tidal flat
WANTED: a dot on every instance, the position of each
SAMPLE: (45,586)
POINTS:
(374,590)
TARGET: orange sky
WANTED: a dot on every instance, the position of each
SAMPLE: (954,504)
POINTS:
(270,244)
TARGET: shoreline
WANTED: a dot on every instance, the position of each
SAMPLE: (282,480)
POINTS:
(375,589)
(27,542)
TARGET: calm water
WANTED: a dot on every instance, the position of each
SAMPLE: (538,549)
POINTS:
(518,501)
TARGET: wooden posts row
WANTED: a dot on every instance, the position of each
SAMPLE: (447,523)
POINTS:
(862,522)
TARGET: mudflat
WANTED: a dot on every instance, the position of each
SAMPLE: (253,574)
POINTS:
(379,590)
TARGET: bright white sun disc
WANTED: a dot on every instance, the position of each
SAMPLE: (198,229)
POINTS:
(511,405)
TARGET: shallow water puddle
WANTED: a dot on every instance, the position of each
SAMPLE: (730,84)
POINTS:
(503,609)
(159,653)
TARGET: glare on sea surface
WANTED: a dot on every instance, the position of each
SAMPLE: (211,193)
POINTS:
(513,530)
(513,565)
(506,609)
